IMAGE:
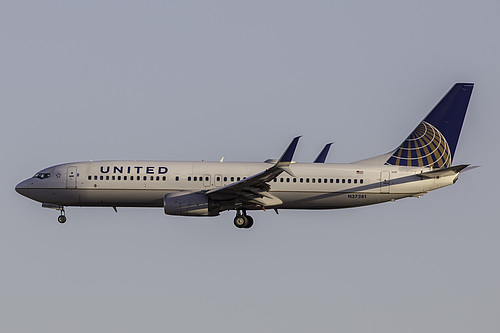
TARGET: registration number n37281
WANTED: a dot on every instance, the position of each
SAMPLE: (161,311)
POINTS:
(356,196)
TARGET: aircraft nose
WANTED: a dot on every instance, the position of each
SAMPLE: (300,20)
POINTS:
(23,188)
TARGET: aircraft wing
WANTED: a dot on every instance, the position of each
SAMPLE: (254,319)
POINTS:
(255,189)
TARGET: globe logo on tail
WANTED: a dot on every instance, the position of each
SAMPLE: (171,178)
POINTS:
(424,147)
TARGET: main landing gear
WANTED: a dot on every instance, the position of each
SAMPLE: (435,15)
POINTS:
(243,220)
(62,217)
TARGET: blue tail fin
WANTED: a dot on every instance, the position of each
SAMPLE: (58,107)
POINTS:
(433,142)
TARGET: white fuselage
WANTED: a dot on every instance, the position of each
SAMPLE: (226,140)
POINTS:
(145,183)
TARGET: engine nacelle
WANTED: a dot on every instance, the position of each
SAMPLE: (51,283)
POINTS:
(189,204)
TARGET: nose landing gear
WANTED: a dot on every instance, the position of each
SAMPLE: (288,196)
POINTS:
(243,220)
(62,218)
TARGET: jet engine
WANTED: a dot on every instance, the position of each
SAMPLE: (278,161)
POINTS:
(187,203)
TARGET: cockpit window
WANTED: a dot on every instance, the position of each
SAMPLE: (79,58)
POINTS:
(41,175)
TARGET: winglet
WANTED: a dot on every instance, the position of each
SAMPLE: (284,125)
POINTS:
(286,159)
(257,184)
(287,156)
(323,154)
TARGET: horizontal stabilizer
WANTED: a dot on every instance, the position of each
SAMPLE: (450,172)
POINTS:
(443,172)
(469,168)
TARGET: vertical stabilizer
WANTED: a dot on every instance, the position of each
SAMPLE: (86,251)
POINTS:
(433,142)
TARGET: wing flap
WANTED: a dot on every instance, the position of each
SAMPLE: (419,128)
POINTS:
(262,198)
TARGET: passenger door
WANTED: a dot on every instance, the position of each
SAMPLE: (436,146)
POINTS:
(71,177)
(385,182)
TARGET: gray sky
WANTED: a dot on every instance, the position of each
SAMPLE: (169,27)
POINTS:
(202,80)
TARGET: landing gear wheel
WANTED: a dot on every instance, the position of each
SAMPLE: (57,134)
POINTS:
(62,217)
(243,221)
(240,221)
(249,221)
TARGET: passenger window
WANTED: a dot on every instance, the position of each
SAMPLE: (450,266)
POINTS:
(281,180)
(301,180)
(107,177)
(113,177)
(238,179)
(225,179)
(124,177)
(145,178)
(232,179)
(331,180)
(307,180)
(319,180)
(176,178)
(95,177)
(102,177)
(157,178)
(338,180)
(355,181)
(343,181)
(131,177)
(90,177)
(314,180)
(361,181)
(295,180)
(189,178)
(119,177)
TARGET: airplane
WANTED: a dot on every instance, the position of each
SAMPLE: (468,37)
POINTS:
(422,163)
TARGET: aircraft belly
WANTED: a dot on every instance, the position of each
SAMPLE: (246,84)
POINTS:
(332,200)
(120,197)
(100,197)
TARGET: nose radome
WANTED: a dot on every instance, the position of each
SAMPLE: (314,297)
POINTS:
(23,188)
